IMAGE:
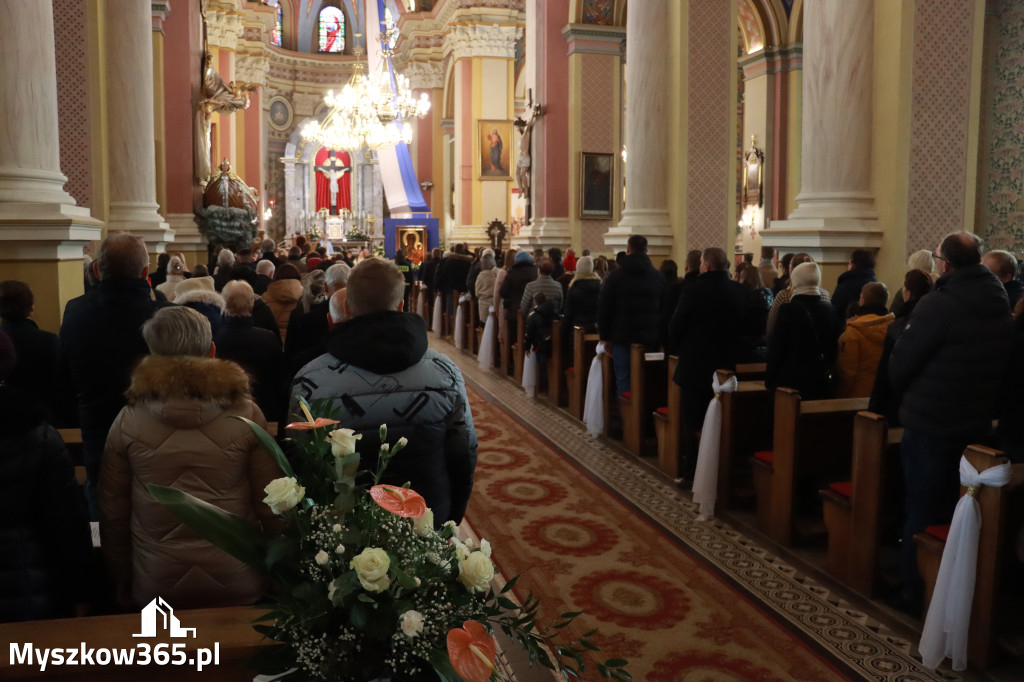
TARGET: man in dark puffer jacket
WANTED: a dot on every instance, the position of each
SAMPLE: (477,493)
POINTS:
(948,366)
(629,308)
(45,543)
(379,370)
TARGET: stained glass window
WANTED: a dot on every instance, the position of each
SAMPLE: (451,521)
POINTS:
(332,30)
(275,35)
(389,23)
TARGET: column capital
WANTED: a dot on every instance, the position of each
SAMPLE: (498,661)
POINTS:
(478,40)
(224,25)
(593,39)
(252,67)
(161,8)
(424,75)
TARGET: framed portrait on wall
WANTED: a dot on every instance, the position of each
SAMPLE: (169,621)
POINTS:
(495,157)
(412,239)
(596,185)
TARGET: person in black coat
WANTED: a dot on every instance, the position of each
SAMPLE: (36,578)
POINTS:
(753,345)
(1004,266)
(428,272)
(705,332)
(264,276)
(308,329)
(555,254)
(629,307)
(948,365)
(1011,406)
(101,342)
(673,289)
(803,348)
(861,270)
(257,350)
(45,540)
(36,374)
(522,272)
(451,278)
(884,401)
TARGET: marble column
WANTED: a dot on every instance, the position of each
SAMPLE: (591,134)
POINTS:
(836,206)
(42,231)
(132,152)
(647,102)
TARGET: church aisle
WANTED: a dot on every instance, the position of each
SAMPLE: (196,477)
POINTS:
(676,596)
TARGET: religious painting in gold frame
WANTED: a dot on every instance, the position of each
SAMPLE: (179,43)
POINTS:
(596,171)
(412,239)
(495,157)
(753,175)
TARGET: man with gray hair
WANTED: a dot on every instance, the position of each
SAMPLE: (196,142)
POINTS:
(1004,266)
(101,341)
(225,265)
(264,276)
(308,330)
(378,369)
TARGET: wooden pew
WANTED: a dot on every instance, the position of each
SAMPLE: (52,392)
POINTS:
(746,429)
(472,332)
(608,393)
(230,629)
(669,421)
(518,350)
(556,377)
(504,343)
(584,347)
(468,331)
(647,388)
(930,545)
(810,438)
(667,427)
(853,509)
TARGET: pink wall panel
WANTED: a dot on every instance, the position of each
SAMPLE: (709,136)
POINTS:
(73,98)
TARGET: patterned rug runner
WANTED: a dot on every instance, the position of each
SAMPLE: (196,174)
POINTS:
(578,547)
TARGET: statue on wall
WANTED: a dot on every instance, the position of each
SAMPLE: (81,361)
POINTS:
(230,213)
(215,96)
(523,165)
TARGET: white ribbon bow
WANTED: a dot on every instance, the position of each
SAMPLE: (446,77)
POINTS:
(593,404)
(705,480)
(949,614)
(486,356)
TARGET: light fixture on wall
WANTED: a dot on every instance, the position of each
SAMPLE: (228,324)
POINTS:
(372,111)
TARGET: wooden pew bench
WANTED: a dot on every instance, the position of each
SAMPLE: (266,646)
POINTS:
(518,348)
(853,509)
(556,393)
(811,439)
(746,428)
(228,630)
(584,347)
(648,385)
(993,543)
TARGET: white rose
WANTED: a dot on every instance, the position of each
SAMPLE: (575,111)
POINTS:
(340,549)
(371,567)
(411,622)
(485,547)
(283,494)
(321,557)
(424,525)
(476,572)
(343,441)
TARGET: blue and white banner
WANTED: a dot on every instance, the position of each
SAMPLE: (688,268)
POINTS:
(400,183)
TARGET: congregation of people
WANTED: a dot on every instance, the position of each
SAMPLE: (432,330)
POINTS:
(153,366)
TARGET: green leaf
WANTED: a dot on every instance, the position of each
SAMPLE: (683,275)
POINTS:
(357,614)
(510,584)
(238,537)
(279,548)
(443,666)
(616,662)
(270,445)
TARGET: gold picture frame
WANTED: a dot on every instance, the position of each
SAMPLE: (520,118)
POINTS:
(494,156)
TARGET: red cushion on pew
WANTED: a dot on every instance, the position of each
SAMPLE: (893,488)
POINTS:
(940,532)
(765,456)
(662,410)
(571,369)
(627,394)
(843,488)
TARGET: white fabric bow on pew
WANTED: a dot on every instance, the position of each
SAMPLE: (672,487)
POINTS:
(460,323)
(593,404)
(949,614)
(530,373)
(436,326)
(705,480)
(421,304)
(486,355)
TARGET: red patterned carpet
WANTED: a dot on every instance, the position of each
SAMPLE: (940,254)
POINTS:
(578,547)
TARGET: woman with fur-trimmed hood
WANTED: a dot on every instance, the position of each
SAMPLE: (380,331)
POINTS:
(177,430)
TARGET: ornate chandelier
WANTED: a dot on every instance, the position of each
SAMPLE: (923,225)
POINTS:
(371,111)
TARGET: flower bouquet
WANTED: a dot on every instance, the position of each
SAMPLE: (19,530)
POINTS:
(364,586)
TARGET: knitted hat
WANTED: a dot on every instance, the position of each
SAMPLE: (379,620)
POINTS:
(194,284)
(523,257)
(585,265)
(921,260)
(805,278)
(175,267)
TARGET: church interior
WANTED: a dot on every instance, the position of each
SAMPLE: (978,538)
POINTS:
(758,127)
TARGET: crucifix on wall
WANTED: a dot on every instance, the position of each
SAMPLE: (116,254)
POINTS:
(333,181)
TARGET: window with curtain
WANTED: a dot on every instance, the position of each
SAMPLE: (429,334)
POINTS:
(332,30)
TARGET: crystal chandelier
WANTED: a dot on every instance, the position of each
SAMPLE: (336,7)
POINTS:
(371,111)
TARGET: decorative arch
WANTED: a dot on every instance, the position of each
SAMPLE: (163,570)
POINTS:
(796,23)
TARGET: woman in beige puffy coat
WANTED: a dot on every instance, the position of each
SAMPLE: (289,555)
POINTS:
(176,431)
(282,295)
